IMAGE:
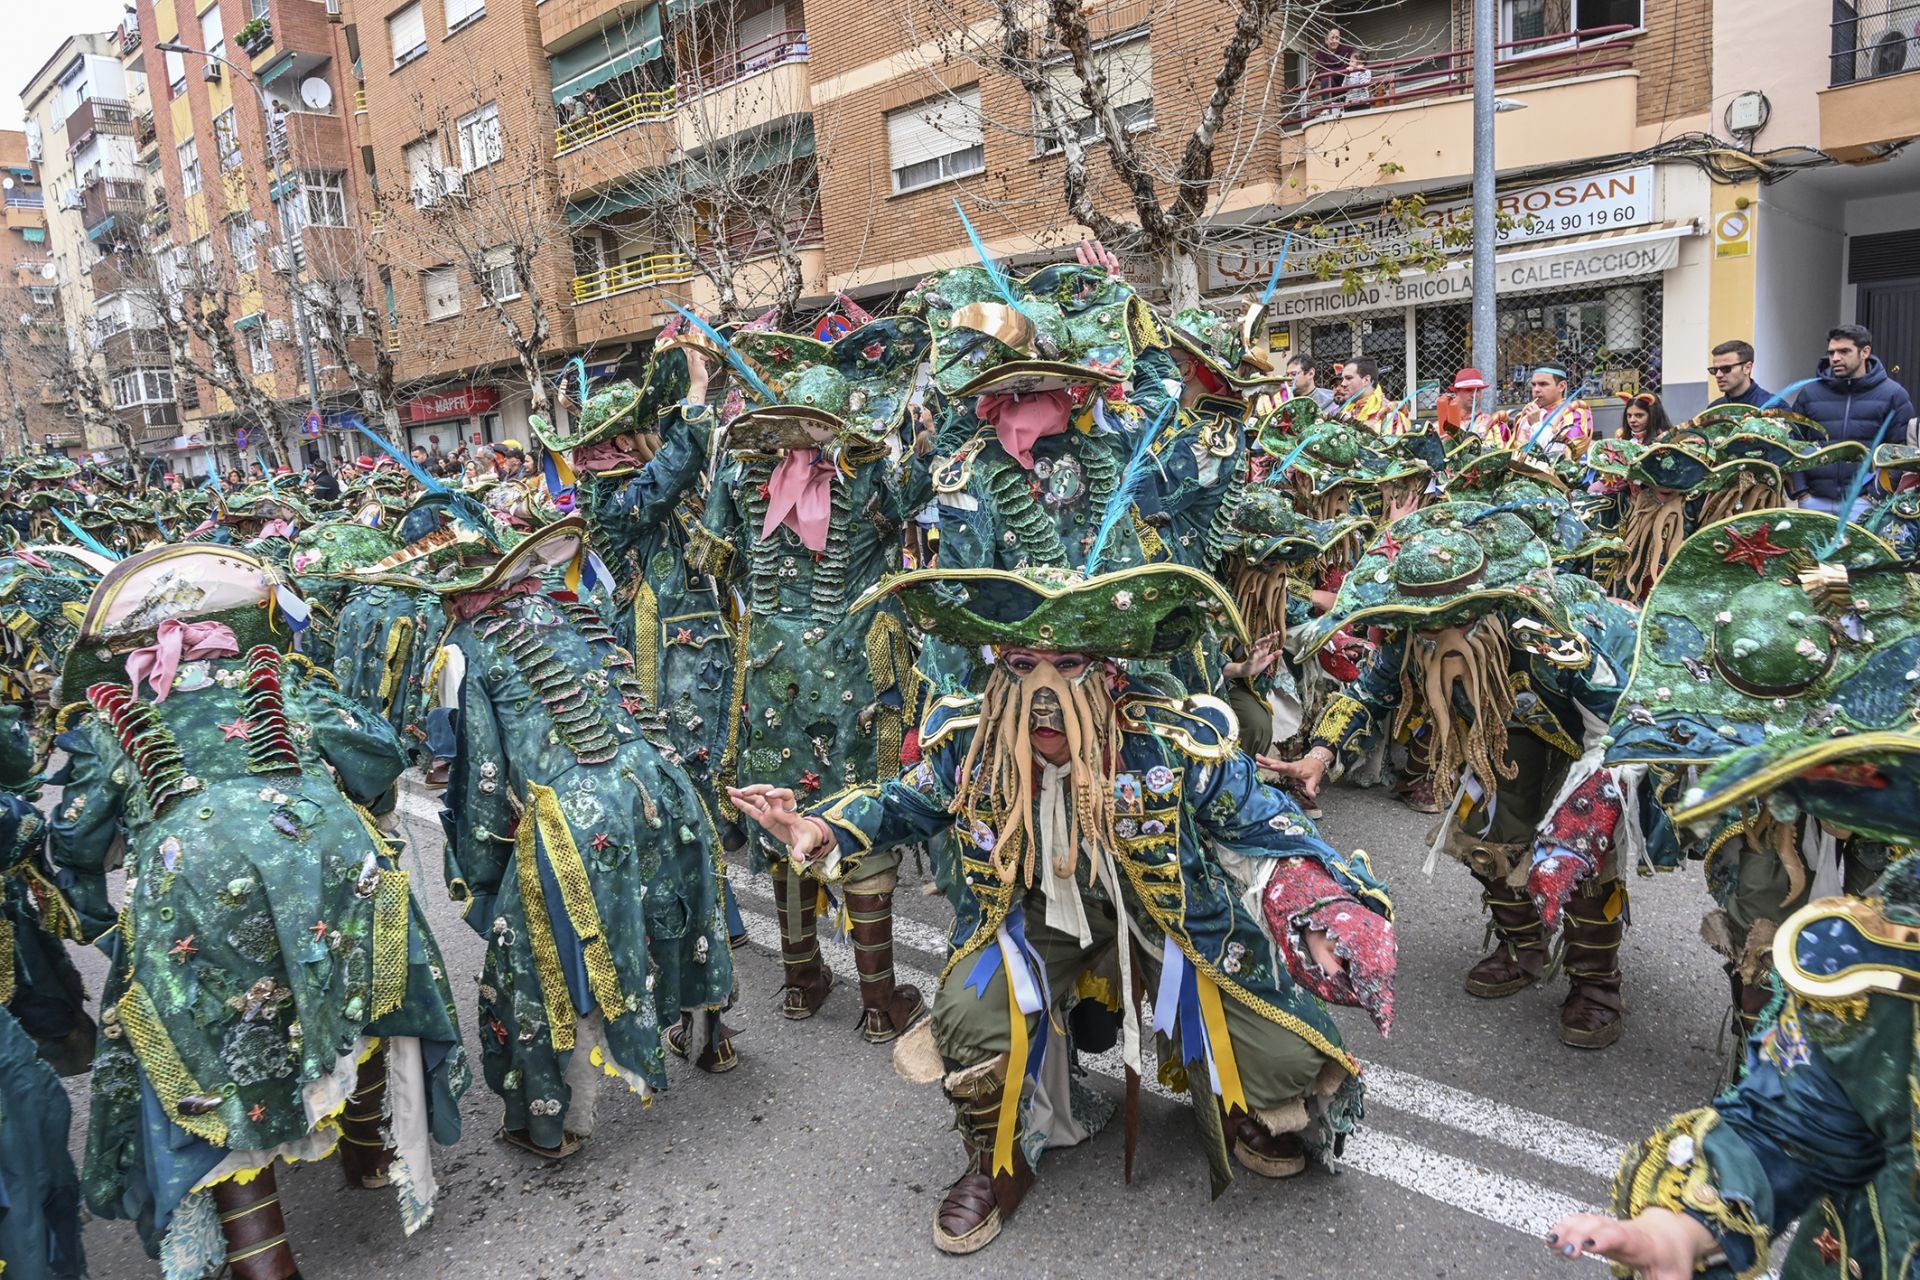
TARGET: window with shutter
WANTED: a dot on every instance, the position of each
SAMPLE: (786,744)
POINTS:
(212,34)
(936,141)
(503,278)
(407,34)
(423,170)
(440,290)
(176,74)
(1127,63)
(461,12)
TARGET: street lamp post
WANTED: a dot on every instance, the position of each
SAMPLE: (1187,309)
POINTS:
(300,317)
(1485,349)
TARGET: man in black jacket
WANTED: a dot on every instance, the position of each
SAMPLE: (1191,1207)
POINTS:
(1732,370)
(1854,399)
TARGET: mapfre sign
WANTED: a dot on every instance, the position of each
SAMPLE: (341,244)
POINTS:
(1570,207)
(462,403)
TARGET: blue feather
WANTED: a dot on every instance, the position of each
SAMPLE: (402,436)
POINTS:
(1780,397)
(581,363)
(213,472)
(433,486)
(1279,265)
(745,370)
(462,505)
(1861,475)
(1000,284)
(87,540)
(1286,463)
(1122,500)
(1559,409)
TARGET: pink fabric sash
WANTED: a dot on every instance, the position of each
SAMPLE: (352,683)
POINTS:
(800,496)
(176,641)
(1021,421)
(277,529)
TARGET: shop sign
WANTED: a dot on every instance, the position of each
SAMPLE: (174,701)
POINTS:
(1571,270)
(1548,211)
(462,402)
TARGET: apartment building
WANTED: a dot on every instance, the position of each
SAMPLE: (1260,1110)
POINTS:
(1796,252)
(257,206)
(80,129)
(456,125)
(31,328)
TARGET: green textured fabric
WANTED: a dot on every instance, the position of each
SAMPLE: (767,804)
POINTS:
(1734,650)
(1151,611)
(853,390)
(549,701)
(1081,319)
(247,935)
(621,406)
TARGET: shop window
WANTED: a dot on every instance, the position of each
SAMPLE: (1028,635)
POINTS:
(1607,338)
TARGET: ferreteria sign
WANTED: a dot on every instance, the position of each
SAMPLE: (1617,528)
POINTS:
(1532,270)
(1570,207)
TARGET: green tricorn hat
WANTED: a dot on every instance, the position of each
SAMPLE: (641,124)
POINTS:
(188,582)
(1861,782)
(459,557)
(47,466)
(1266,529)
(1762,626)
(1223,346)
(1285,426)
(1447,565)
(1788,440)
(1335,452)
(854,390)
(338,547)
(1148,611)
(1064,325)
(624,407)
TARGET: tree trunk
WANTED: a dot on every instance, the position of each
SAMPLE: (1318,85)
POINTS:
(1180,270)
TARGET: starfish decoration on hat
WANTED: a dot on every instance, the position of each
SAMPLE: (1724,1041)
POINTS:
(182,949)
(1753,550)
(1388,546)
(240,727)
(602,842)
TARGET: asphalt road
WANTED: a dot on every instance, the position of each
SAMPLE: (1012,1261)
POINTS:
(813,1158)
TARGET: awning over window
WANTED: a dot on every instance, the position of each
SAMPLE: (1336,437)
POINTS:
(250,321)
(102,228)
(34,235)
(607,53)
(717,165)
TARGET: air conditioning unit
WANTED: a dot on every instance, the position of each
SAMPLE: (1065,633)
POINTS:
(212,71)
(70,198)
(279,259)
(277,330)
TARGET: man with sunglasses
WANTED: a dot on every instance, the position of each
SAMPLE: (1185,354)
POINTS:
(1732,370)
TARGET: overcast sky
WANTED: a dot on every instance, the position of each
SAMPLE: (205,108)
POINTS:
(34,29)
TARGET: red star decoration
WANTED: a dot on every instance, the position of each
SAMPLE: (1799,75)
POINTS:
(1753,550)
(499,1030)
(318,929)
(1829,1247)
(602,842)
(810,780)
(238,729)
(257,1112)
(1388,546)
(182,949)
(683,636)
(631,705)
(765,491)
(701,754)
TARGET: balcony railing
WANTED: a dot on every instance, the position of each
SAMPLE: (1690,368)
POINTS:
(22,200)
(105,198)
(772,51)
(1874,38)
(144,134)
(752,242)
(635,273)
(129,37)
(639,109)
(1449,72)
(98,115)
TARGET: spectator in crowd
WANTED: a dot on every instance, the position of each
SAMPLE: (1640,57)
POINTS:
(1361,399)
(325,486)
(509,460)
(1645,419)
(233,478)
(1732,370)
(1301,370)
(1330,63)
(421,458)
(1854,399)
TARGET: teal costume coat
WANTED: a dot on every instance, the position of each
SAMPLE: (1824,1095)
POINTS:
(266,927)
(586,860)
(384,638)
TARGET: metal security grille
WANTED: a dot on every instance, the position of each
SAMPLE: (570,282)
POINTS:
(1607,338)
(1379,334)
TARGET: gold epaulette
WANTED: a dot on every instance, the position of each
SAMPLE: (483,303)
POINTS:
(1200,727)
(946,717)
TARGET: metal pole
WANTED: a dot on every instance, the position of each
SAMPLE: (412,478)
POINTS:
(1485,348)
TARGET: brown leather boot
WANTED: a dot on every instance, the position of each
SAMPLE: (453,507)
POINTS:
(364,1153)
(808,978)
(719,1056)
(979,1203)
(888,1006)
(255,1230)
(1521,957)
(1271,1155)
(1593,1014)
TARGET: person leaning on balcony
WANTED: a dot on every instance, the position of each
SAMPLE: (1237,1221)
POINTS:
(1732,370)
(1330,62)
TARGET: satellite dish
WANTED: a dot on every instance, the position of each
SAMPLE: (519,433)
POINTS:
(6,184)
(316,93)
(46,271)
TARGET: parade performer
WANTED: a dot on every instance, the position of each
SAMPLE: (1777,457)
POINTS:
(1745,638)
(1518,668)
(274,992)
(1821,1128)
(1198,461)
(1086,829)
(811,513)
(1549,422)
(584,858)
